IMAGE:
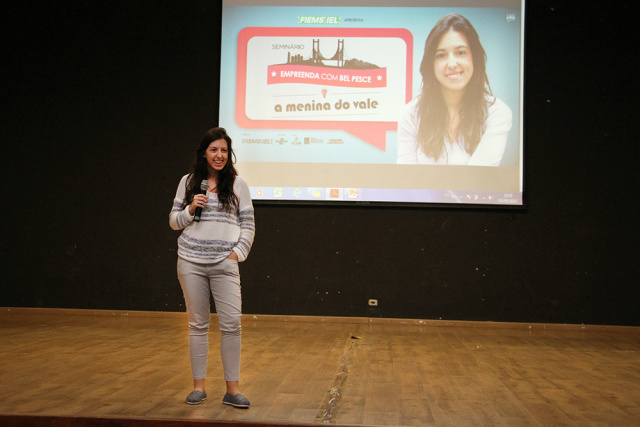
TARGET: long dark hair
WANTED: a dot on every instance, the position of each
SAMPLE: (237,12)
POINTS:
(432,111)
(226,176)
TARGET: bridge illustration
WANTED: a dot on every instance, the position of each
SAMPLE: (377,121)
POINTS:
(317,59)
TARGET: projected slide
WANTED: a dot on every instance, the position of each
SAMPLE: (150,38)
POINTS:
(408,104)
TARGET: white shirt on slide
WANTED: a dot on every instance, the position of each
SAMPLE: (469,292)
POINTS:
(488,153)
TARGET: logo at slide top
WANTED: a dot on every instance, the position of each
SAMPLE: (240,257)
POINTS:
(318,20)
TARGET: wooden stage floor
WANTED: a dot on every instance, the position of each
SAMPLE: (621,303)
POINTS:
(60,367)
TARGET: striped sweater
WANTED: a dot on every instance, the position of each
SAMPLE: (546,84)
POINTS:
(218,233)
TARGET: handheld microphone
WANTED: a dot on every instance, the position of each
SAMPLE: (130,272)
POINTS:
(204,185)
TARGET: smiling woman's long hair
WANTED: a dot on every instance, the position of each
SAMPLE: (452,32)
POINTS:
(226,176)
(432,110)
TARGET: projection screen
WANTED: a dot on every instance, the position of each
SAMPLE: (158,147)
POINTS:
(375,102)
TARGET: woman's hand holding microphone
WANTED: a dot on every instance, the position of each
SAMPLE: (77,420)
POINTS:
(199,201)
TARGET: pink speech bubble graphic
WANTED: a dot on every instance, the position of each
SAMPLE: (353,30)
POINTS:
(373,132)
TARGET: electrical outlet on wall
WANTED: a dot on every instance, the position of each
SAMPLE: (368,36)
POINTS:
(373,303)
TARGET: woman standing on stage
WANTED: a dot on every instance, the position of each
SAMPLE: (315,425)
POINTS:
(209,250)
(455,120)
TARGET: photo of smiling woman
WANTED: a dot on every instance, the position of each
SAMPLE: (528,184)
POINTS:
(209,250)
(455,120)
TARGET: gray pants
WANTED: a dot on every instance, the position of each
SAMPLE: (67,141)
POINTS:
(222,280)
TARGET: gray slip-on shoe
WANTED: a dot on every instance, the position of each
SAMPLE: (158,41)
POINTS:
(196,397)
(238,400)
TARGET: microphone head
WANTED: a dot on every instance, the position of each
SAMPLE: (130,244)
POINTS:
(204,185)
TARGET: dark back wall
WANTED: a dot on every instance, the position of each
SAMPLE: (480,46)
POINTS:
(104,102)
